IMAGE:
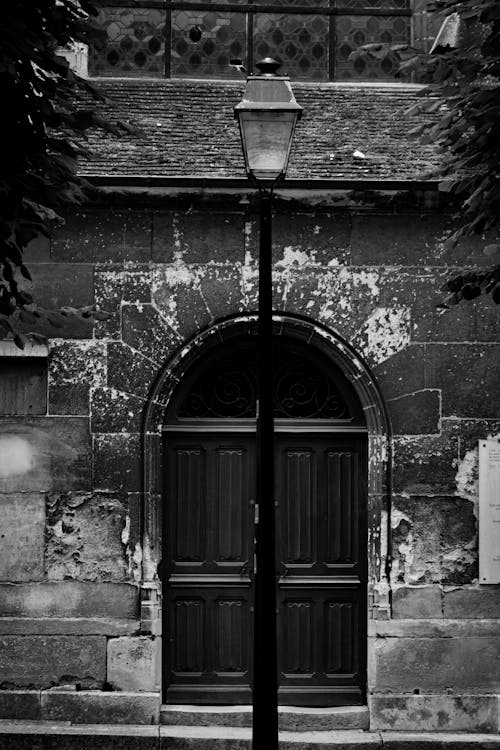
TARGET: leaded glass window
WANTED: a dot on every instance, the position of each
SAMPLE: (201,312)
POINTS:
(194,39)
(135,43)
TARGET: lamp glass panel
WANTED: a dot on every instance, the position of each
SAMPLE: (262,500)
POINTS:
(266,140)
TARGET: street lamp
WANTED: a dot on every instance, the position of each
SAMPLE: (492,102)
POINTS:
(267,116)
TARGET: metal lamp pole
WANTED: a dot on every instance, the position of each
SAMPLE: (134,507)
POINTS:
(265,658)
(267,116)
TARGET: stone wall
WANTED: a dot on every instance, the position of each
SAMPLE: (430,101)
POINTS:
(71,558)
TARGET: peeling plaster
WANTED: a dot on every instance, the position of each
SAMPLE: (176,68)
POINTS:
(293,256)
(135,563)
(467,478)
(434,541)
(126,531)
(388,332)
(341,292)
(85,537)
(149,564)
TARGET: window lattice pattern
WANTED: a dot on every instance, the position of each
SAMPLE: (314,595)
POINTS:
(135,44)
(299,42)
(354,31)
(223,37)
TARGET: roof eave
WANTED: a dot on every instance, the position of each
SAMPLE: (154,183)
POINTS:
(242,183)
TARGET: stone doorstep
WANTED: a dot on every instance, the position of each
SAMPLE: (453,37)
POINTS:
(80,706)
(291,718)
(98,737)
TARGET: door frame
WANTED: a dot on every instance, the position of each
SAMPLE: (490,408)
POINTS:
(355,369)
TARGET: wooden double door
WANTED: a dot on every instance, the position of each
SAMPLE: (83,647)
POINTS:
(320,491)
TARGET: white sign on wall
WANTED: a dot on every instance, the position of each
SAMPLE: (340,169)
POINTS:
(489,511)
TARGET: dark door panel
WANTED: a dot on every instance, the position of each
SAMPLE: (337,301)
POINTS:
(321,567)
(320,654)
(321,522)
(208,644)
(208,547)
(209,489)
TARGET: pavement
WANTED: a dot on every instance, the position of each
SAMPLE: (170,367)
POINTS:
(24,735)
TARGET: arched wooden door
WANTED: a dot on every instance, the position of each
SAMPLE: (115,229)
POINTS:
(320,491)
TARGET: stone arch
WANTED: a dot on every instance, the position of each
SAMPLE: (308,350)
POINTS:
(343,356)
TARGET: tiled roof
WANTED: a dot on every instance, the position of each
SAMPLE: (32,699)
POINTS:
(188,130)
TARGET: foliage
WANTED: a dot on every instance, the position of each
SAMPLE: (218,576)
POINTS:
(46,111)
(462,100)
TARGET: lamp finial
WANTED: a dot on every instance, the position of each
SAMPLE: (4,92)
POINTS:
(268,66)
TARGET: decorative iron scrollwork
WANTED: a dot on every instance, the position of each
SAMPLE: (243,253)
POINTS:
(226,390)
(302,388)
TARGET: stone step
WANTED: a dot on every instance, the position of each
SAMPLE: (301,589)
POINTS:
(291,718)
(240,738)
(23,735)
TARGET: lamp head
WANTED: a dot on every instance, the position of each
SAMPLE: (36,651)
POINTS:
(267,115)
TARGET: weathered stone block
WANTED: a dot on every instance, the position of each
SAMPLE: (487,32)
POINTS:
(177,295)
(63,284)
(24,385)
(470,431)
(146,331)
(45,661)
(398,239)
(117,286)
(198,238)
(129,371)
(472,602)
(410,239)
(84,537)
(96,707)
(69,599)
(465,664)
(438,741)
(117,462)
(22,536)
(417,602)
(433,628)
(74,368)
(134,664)
(63,736)
(20,704)
(302,295)
(430,713)
(57,285)
(418,413)
(110,626)
(44,453)
(426,464)
(306,239)
(467,376)
(104,236)
(115,411)
(402,373)
(476,320)
(221,289)
(434,540)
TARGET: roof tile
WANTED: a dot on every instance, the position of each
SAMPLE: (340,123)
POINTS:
(187,129)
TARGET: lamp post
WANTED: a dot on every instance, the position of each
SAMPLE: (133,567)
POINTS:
(267,116)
